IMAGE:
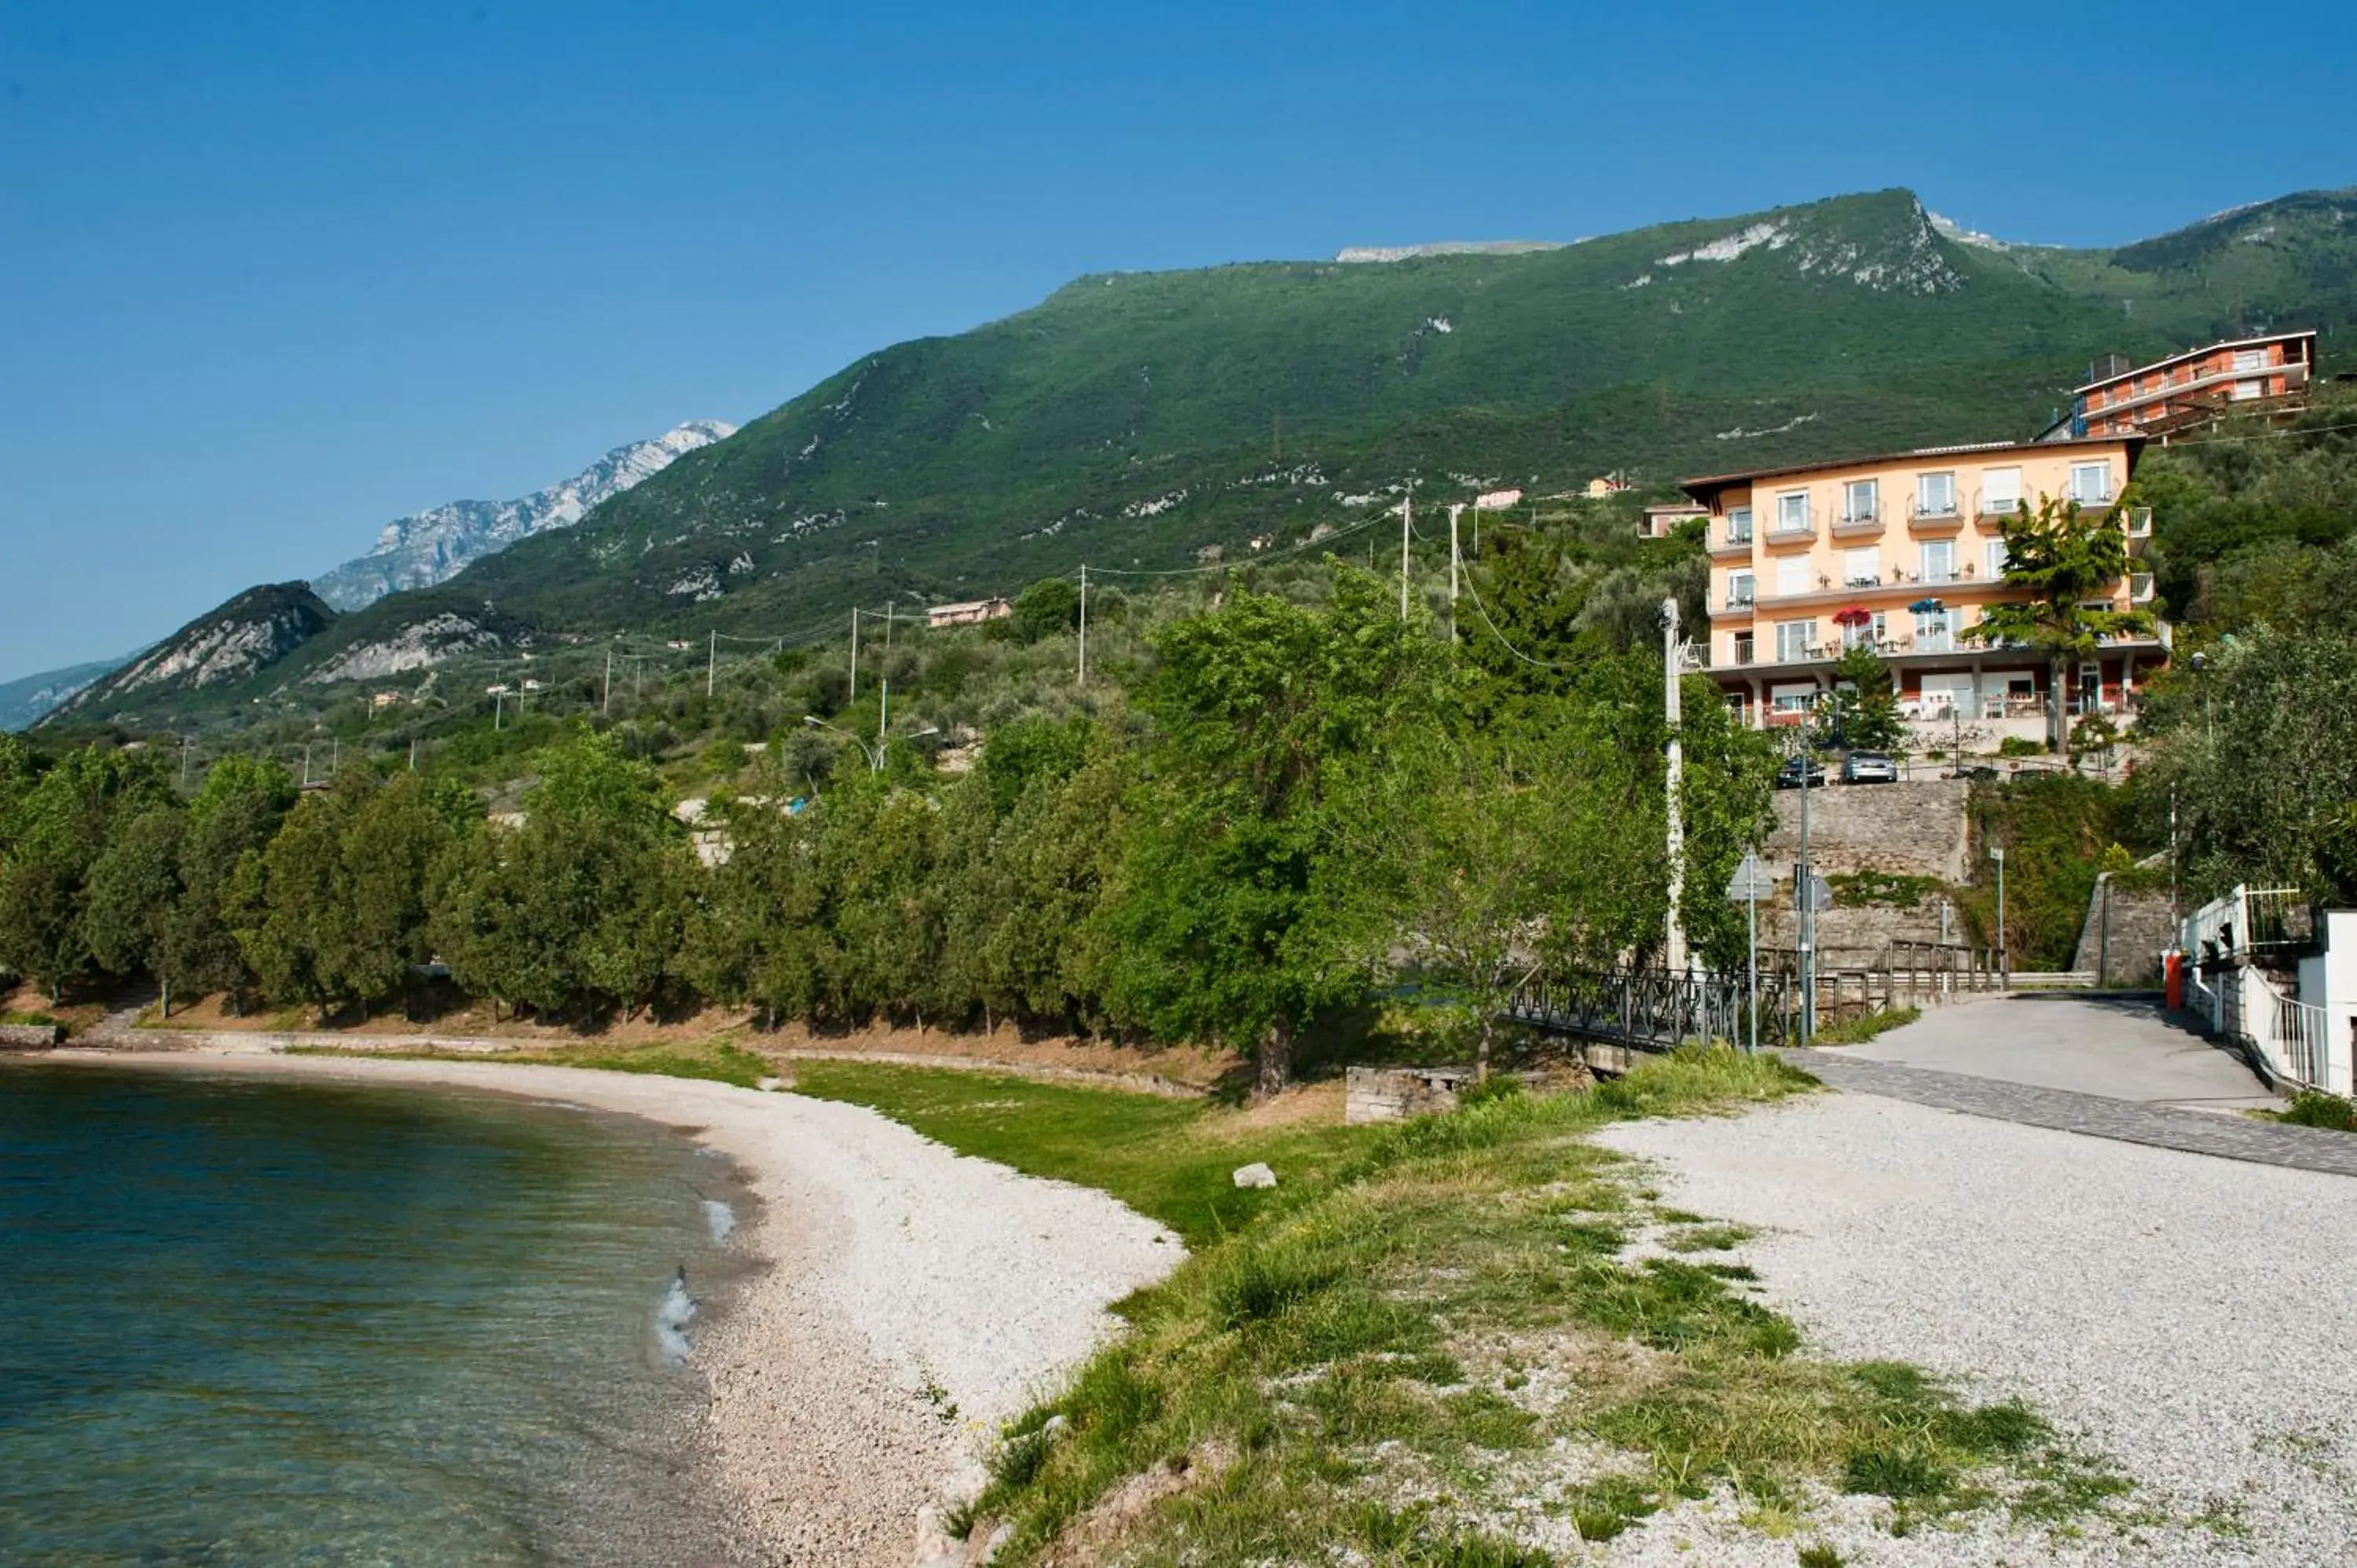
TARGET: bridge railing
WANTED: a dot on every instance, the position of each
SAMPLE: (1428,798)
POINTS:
(1655,1010)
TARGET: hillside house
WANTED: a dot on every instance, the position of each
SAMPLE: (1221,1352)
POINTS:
(2191,389)
(972,613)
(1662,519)
(1902,554)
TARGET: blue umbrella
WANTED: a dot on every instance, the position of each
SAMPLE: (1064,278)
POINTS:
(1927,606)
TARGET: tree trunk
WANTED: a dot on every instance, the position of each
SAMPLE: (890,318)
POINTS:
(1481,1049)
(168,1000)
(1273,1063)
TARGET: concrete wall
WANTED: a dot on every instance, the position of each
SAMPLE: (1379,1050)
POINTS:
(2121,939)
(2329,980)
(1913,830)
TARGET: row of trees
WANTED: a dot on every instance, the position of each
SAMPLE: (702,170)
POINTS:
(1296,804)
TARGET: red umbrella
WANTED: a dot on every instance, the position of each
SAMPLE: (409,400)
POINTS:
(1854,615)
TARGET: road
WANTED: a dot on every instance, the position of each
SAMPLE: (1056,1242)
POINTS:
(2119,1047)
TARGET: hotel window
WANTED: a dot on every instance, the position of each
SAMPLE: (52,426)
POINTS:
(1742,642)
(2000,492)
(1792,512)
(1857,500)
(1935,495)
(1739,590)
(2091,483)
(1738,525)
(2245,392)
(2250,358)
(1861,568)
(1939,560)
(1997,559)
(1934,632)
(1794,639)
(1792,575)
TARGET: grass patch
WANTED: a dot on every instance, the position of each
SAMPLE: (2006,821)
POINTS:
(1172,1159)
(1859,1030)
(1383,1350)
(31,1020)
(2313,1108)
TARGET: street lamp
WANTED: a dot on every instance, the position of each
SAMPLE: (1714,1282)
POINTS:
(2209,721)
(2003,959)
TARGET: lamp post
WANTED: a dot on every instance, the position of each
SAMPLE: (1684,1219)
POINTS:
(2003,959)
(2209,718)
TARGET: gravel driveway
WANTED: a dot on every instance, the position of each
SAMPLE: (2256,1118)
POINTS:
(2191,1319)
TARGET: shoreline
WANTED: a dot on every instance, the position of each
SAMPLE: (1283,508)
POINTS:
(899,1302)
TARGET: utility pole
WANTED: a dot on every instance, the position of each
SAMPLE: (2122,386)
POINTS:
(1084,623)
(855,653)
(883,719)
(888,607)
(1804,892)
(307,765)
(1674,951)
(711,663)
(1453,512)
(1407,520)
(413,754)
(606,702)
(184,764)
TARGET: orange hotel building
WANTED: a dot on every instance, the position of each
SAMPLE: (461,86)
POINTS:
(1906,552)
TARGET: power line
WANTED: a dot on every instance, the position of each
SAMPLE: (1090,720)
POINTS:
(1475,593)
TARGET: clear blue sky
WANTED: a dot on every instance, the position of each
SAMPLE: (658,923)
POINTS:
(271,276)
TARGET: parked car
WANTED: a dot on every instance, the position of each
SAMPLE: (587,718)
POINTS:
(1869,767)
(1796,768)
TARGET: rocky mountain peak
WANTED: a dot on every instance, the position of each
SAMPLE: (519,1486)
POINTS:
(432,546)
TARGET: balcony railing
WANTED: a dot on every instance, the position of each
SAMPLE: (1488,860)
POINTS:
(2000,505)
(1733,536)
(2139,522)
(1739,602)
(1794,525)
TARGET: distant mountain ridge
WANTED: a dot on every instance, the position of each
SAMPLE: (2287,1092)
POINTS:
(26,699)
(434,546)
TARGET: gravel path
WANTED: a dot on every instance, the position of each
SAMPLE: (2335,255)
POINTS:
(913,1300)
(2191,1319)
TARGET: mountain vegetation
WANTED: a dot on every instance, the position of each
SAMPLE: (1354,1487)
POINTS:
(1131,421)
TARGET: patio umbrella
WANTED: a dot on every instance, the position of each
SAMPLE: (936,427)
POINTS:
(1927,606)
(1854,615)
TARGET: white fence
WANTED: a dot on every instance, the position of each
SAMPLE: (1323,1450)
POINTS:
(2291,1038)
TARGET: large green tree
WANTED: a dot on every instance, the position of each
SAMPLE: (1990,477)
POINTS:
(584,904)
(63,823)
(1241,907)
(2067,564)
(131,902)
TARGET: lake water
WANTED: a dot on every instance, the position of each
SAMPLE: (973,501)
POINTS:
(246,1322)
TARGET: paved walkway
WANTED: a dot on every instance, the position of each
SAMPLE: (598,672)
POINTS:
(2107,1067)
(2120,1046)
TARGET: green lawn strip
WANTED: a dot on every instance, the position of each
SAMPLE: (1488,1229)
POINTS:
(1376,1354)
(1857,1031)
(1172,1159)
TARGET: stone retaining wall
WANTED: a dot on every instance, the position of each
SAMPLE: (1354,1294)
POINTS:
(1916,829)
(30,1037)
(2141,924)
(1393,1094)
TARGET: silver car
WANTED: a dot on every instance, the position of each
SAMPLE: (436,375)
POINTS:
(1869,767)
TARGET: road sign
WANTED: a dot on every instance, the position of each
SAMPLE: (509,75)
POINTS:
(1750,882)
(1821,894)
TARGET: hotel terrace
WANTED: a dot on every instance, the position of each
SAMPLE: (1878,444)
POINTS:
(1903,553)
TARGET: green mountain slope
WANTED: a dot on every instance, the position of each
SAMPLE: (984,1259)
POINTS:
(1129,420)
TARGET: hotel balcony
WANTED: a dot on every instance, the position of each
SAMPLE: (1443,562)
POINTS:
(1727,540)
(1936,520)
(1789,529)
(1861,524)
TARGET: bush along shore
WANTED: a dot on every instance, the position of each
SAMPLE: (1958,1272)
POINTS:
(1469,1339)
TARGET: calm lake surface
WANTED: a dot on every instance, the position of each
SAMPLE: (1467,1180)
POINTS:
(263,1322)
